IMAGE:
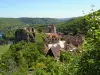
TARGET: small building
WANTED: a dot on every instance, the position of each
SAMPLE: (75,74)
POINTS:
(53,38)
(76,40)
(54,51)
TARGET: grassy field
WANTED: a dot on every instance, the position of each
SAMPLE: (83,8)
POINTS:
(3,49)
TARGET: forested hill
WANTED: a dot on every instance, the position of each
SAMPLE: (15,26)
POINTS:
(75,25)
(15,22)
(40,20)
(29,20)
(72,26)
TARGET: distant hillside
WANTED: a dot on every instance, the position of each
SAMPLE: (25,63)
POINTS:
(66,19)
(16,22)
(40,20)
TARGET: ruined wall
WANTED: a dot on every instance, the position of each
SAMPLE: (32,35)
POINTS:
(26,34)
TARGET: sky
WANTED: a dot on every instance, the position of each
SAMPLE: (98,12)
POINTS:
(46,8)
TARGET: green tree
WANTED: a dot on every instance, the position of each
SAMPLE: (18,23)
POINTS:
(89,62)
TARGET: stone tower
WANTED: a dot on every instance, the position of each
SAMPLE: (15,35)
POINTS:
(52,28)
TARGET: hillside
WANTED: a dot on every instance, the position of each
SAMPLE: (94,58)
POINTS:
(13,22)
(40,20)
(75,25)
(72,26)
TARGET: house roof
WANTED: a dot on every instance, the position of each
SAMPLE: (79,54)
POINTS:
(75,40)
(55,50)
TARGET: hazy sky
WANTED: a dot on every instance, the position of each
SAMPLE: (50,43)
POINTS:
(46,8)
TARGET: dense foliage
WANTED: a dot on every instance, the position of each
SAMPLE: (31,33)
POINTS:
(18,58)
(75,26)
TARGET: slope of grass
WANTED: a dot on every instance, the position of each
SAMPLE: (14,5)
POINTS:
(3,49)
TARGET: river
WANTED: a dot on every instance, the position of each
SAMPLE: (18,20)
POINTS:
(0,34)
(9,41)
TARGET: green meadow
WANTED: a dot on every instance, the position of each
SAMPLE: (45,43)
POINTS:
(3,49)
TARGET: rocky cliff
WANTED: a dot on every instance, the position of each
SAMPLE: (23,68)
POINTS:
(26,34)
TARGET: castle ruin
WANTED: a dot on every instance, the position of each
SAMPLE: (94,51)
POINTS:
(26,34)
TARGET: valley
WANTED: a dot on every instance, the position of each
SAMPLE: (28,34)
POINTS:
(53,38)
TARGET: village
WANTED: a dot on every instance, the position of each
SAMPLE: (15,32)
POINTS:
(55,42)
